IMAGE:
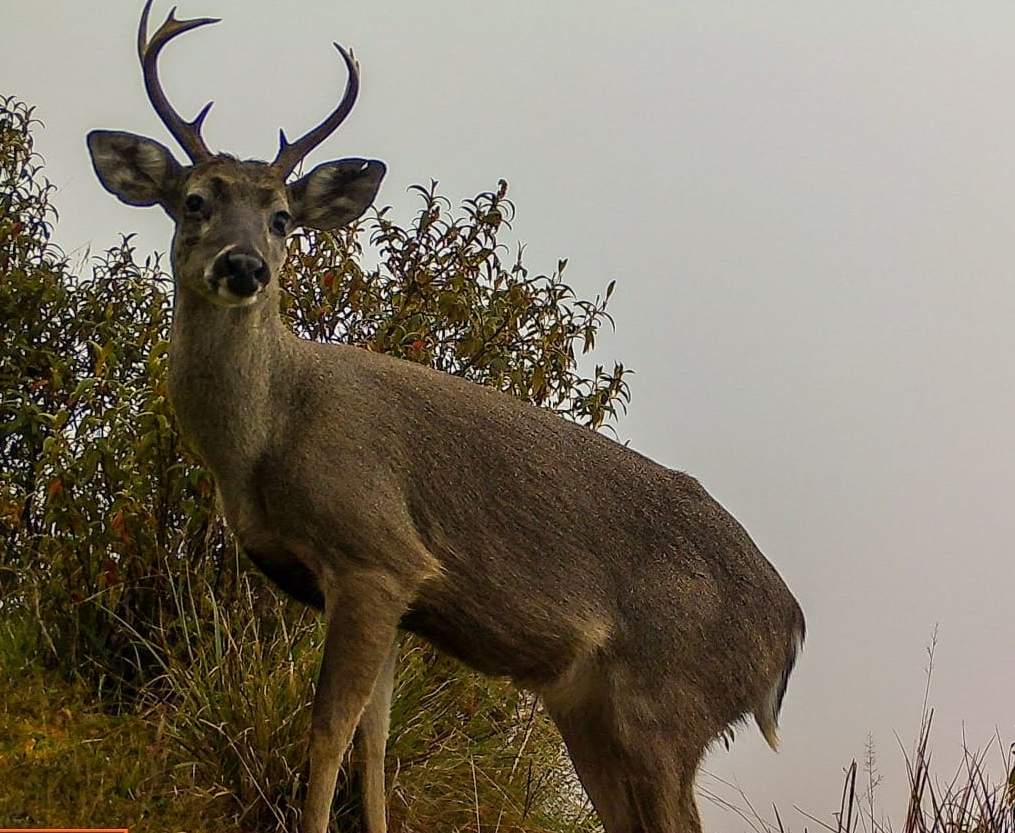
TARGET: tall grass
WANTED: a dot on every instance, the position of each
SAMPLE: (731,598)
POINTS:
(974,798)
(235,702)
(971,800)
(237,692)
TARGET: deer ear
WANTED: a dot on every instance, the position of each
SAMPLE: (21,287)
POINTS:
(334,194)
(139,171)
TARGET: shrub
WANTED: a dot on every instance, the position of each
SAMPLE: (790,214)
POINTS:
(108,527)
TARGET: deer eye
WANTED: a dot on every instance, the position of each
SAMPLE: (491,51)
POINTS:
(194,203)
(280,222)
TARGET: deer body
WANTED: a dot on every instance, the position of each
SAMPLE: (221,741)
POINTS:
(394,497)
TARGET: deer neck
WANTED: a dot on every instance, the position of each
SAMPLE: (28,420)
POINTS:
(227,376)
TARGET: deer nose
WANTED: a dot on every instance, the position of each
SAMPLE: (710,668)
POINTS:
(245,272)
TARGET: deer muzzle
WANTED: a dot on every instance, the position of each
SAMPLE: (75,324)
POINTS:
(242,272)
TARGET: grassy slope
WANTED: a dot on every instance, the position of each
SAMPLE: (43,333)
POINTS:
(63,762)
(454,762)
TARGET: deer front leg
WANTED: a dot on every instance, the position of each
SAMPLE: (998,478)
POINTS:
(362,626)
(369,746)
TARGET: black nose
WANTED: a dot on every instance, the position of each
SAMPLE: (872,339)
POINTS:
(244,271)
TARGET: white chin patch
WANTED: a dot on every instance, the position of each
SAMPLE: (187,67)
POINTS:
(225,298)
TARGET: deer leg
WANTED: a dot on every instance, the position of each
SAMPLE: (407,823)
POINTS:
(665,801)
(369,745)
(636,786)
(581,707)
(362,625)
(632,752)
(662,755)
(597,762)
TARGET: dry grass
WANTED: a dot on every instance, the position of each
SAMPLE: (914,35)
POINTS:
(973,799)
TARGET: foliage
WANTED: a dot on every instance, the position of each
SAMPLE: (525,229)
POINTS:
(971,801)
(108,529)
(442,295)
(98,504)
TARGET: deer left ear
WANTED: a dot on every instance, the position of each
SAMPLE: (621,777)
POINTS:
(334,194)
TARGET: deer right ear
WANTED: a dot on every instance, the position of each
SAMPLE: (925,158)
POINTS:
(137,170)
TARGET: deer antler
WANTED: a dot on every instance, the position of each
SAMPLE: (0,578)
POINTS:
(290,155)
(187,133)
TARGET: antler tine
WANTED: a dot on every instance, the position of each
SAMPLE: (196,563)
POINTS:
(187,133)
(290,155)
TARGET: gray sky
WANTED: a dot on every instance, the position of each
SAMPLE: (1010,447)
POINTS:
(808,208)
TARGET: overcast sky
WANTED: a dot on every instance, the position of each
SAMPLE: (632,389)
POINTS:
(808,209)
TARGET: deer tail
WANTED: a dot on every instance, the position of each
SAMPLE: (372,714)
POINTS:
(767,712)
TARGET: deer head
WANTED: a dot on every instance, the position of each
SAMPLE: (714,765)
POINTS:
(232,217)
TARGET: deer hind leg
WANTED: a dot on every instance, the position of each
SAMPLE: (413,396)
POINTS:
(634,758)
(665,799)
(667,729)
(588,733)
(633,791)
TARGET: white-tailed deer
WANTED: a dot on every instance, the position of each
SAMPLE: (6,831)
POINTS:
(392,496)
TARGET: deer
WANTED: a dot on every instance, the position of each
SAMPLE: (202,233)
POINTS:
(396,498)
